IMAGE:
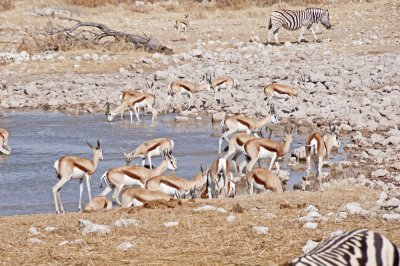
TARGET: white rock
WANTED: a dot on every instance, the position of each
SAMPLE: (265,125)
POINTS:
(391,203)
(171,224)
(310,245)
(391,216)
(353,208)
(31,90)
(310,225)
(336,233)
(50,228)
(311,208)
(341,216)
(270,216)
(33,231)
(90,228)
(379,173)
(124,246)
(205,208)
(314,215)
(196,53)
(231,218)
(34,240)
(260,229)
(123,222)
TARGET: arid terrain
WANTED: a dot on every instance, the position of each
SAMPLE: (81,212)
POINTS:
(351,79)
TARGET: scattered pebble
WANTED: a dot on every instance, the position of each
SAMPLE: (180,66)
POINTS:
(210,208)
(124,246)
(90,228)
(231,218)
(310,225)
(33,231)
(34,240)
(260,229)
(171,224)
(123,222)
(310,245)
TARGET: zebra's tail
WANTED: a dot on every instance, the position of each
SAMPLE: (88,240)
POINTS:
(270,24)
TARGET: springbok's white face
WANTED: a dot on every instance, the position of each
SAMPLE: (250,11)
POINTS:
(110,117)
(97,151)
(172,164)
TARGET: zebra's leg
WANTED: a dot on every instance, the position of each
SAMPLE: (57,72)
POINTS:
(315,36)
(276,37)
(301,38)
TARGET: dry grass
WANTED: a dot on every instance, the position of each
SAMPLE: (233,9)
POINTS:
(6,4)
(199,239)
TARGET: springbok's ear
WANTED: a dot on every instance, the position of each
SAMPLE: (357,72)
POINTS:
(98,144)
(90,145)
(201,169)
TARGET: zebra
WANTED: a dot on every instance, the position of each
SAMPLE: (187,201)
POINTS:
(296,19)
(357,247)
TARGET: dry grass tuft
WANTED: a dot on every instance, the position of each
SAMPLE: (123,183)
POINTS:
(6,4)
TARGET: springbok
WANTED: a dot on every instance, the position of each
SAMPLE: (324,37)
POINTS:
(240,123)
(134,103)
(3,87)
(99,203)
(224,82)
(262,179)
(148,149)
(257,149)
(138,196)
(321,148)
(180,87)
(4,147)
(176,186)
(236,148)
(136,93)
(182,25)
(117,178)
(68,167)
(279,91)
(220,180)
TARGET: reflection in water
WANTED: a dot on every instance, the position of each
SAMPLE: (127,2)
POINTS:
(39,138)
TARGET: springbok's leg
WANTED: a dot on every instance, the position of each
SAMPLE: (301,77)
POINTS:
(107,190)
(116,194)
(143,160)
(308,159)
(80,194)
(251,164)
(137,114)
(319,169)
(131,115)
(89,189)
(272,161)
(59,200)
(56,189)
(242,165)
(149,160)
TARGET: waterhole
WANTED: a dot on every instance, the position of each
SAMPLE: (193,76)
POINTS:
(38,139)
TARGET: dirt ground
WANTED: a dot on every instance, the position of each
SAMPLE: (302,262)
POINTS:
(201,238)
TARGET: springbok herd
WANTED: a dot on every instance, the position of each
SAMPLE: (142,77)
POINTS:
(139,184)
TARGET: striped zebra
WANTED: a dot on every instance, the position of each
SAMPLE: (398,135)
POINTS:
(357,247)
(296,19)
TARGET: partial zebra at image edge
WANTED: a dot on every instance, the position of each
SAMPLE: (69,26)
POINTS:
(362,247)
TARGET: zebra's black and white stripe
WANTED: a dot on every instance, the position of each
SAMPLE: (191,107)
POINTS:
(358,247)
(296,19)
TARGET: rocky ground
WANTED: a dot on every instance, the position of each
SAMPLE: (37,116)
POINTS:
(351,79)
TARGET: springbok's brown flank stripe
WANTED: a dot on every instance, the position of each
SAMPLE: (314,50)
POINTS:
(244,122)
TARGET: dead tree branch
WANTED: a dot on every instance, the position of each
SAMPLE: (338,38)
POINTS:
(148,43)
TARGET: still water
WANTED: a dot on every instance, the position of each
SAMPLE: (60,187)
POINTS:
(37,139)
